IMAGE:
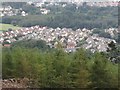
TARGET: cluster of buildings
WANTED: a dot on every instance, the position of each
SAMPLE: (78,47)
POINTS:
(44,11)
(112,32)
(40,5)
(103,4)
(77,2)
(9,11)
(67,38)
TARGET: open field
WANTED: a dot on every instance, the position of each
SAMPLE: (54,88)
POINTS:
(7,26)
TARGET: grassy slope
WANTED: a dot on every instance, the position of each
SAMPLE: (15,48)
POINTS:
(7,26)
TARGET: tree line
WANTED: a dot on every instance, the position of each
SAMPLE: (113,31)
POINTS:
(58,69)
(70,16)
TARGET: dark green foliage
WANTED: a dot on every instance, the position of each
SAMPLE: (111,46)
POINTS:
(112,46)
(58,69)
(104,34)
(114,52)
(69,17)
(9,70)
(30,9)
(31,44)
(118,38)
(99,76)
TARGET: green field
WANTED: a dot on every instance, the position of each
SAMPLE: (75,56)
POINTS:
(4,27)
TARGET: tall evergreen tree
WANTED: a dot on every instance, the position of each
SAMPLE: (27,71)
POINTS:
(100,77)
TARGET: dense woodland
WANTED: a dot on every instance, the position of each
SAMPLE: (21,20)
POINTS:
(69,16)
(58,69)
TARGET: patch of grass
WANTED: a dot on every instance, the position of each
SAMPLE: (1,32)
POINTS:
(4,27)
